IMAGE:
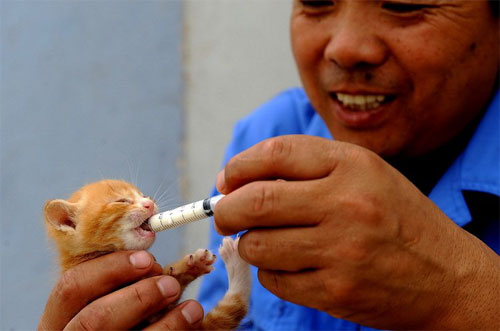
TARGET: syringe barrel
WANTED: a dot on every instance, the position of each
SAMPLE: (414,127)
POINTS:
(182,215)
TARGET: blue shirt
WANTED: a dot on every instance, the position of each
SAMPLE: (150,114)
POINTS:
(476,169)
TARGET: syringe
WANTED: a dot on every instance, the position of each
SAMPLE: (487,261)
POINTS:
(185,214)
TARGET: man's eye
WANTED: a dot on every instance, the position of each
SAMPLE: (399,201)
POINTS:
(317,3)
(403,8)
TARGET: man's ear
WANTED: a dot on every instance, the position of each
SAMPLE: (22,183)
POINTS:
(61,214)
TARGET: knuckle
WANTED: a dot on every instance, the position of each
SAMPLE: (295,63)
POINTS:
(276,285)
(143,294)
(252,247)
(343,292)
(138,296)
(347,203)
(357,250)
(353,153)
(146,300)
(172,320)
(277,149)
(168,324)
(365,158)
(272,282)
(262,201)
(94,317)
(369,209)
(84,325)
(231,168)
(363,207)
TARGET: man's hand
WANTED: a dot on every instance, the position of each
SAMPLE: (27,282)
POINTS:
(117,291)
(334,227)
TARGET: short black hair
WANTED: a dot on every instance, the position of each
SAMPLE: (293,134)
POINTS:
(495,7)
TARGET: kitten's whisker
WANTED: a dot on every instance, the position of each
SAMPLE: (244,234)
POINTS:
(167,190)
(157,190)
(160,186)
(163,195)
(169,203)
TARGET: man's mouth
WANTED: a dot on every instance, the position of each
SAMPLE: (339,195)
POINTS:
(362,102)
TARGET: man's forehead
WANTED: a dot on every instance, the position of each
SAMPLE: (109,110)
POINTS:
(431,3)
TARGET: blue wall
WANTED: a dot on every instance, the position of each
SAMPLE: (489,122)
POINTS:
(89,89)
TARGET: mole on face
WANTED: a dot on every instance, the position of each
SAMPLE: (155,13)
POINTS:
(472,47)
(368,76)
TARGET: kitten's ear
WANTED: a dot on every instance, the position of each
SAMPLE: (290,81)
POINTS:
(61,214)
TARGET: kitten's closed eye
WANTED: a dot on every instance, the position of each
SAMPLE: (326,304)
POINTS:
(127,201)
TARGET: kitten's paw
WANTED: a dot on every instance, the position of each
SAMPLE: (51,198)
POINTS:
(229,249)
(238,271)
(200,262)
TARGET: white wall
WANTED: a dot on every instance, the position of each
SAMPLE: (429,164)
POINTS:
(236,56)
(89,89)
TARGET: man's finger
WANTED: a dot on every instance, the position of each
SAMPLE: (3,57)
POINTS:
(287,157)
(296,287)
(186,316)
(272,204)
(87,281)
(293,249)
(127,307)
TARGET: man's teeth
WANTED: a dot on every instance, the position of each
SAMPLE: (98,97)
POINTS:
(361,102)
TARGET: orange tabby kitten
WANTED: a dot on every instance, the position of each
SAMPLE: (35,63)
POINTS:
(111,215)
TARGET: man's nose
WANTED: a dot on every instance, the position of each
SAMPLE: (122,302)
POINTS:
(354,43)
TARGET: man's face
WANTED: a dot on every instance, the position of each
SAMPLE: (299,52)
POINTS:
(398,76)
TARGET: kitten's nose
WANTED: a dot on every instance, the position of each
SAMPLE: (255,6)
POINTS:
(148,204)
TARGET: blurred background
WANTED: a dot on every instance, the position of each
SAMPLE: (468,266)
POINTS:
(142,90)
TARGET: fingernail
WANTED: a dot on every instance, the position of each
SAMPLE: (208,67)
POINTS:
(140,259)
(219,183)
(192,312)
(168,286)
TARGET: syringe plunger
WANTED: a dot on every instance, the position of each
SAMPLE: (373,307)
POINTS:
(185,214)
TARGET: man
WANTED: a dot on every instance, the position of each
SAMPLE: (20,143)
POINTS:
(335,230)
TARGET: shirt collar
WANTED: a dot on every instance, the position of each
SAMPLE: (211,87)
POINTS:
(477,168)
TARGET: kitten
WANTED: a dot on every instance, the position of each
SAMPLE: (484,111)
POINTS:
(111,215)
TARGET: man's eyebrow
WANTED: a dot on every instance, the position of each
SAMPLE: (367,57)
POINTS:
(420,2)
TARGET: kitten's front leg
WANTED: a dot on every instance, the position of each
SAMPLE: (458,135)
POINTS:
(191,266)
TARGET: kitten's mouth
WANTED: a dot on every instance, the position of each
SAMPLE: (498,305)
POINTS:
(144,230)
(145,225)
